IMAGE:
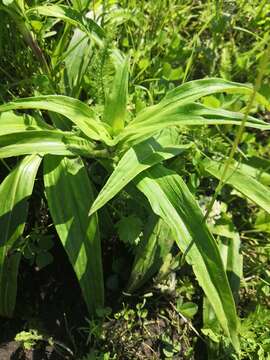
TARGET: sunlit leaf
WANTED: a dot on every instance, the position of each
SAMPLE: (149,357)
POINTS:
(44,142)
(172,201)
(75,110)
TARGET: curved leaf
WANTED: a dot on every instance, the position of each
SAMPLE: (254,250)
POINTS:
(75,110)
(158,117)
(194,90)
(45,142)
(171,199)
(14,192)
(70,196)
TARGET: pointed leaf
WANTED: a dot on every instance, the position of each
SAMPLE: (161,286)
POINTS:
(75,110)
(172,201)
(134,161)
(159,117)
(194,90)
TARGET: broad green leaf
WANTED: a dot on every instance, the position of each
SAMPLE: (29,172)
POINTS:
(172,201)
(241,179)
(150,255)
(71,16)
(129,229)
(11,123)
(75,110)
(134,161)
(159,117)
(70,197)
(45,142)
(196,89)
(116,98)
(14,193)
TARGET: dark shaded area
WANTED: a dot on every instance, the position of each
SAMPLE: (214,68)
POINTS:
(49,301)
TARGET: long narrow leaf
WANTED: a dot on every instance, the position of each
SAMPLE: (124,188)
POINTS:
(45,142)
(257,167)
(194,90)
(14,193)
(70,197)
(191,114)
(172,201)
(75,110)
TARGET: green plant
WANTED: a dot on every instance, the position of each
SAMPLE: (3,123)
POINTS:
(29,339)
(139,149)
(133,148)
